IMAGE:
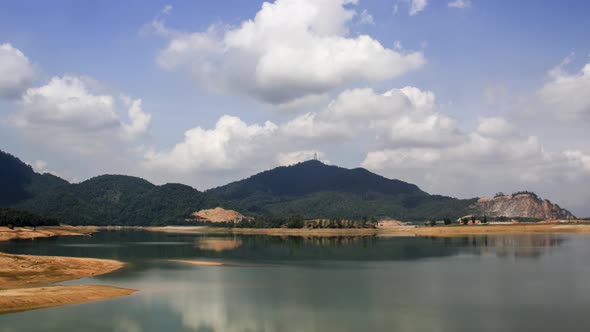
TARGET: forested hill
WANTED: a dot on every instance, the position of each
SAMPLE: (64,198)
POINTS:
(120,200)
(316,190)
(313,176)
(310,189)
(103,200)
(18,181)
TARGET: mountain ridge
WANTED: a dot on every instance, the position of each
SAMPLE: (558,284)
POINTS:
(316,190)
(309,189)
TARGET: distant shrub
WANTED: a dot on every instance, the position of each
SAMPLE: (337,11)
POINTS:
(524,192)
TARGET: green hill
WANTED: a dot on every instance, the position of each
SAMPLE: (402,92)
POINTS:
(18,181)
(119,200)
(103,200)
(310,189)
(315,190)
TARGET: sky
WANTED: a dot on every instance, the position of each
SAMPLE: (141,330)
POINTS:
(462,97)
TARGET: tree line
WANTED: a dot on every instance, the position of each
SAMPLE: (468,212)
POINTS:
(16,218)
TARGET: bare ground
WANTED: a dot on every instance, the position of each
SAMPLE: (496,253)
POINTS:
(21,299)
(7,234)
(19,274)
(442,231)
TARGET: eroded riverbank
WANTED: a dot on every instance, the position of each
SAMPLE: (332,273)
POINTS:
(436,231)
(21,274)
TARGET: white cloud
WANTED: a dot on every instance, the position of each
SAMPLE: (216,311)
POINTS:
(167,9)
(288,51)
(567,94)
(460,4)
(416,6)
(231,144)
(292,158)
(423,100)
(366,18)
(16,71)
(70,111)
(139,121)
(67,101)
(494,157)
(402,117)
(494,127)
(40,166)
(579,158)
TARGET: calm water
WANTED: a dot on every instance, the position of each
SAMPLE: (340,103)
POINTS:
(493,283)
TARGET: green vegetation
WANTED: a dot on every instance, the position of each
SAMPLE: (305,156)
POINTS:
(309,190)
(315,190)
(18,181)
(120,200)
(295,221)
(523,192)
(15,218)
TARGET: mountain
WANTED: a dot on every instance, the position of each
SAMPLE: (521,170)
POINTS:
(119,200)
(523,204)
(18,181)
(309,189)
(103,200)
(316,190)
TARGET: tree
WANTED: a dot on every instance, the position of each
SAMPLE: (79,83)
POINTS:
(447,221)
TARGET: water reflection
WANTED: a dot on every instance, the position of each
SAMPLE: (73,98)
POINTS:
(505,246)
(218,244)
(136,246)
(328,284)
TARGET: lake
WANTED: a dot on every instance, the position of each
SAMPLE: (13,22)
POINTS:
(479,283)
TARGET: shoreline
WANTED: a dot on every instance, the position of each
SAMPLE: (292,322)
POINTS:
(404,231)
(29,233)
(26,282)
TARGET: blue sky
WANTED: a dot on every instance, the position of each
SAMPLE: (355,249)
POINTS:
(495,107)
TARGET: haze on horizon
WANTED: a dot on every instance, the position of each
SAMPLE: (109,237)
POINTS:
(461,97)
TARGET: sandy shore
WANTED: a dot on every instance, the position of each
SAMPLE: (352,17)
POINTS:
(441,231)
(7,234)
(20,273)
(21,299)
(199,263)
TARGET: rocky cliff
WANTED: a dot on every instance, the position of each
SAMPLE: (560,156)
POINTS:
(521,205)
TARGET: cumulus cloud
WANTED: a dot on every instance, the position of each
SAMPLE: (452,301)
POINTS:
(460,4)
(579,158)
(292,158)
(494,127)
(567,93)
(399,116)
(71,110)
(416,6)
(231,144)
(16,71)
(288,51)
(493,157)
(139,121)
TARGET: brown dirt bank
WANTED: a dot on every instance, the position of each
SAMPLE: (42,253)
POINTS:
(266,231)
(18,273)
(199,263)
(21,299)
(522,228)
(7,234)
(442,231)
